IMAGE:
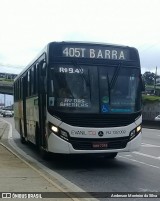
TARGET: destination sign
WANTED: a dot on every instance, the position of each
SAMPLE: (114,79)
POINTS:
(96,52)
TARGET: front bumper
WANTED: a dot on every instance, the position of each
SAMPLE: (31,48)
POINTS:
(58,145)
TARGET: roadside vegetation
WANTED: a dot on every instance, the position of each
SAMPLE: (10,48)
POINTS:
(6,81)
(150,98)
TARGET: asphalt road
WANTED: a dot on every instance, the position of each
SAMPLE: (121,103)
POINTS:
(129,172)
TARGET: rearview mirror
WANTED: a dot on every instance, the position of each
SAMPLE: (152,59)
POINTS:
(43,69)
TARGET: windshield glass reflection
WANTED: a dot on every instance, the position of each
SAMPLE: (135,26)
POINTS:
(72,90)
(124,96)
(89,89)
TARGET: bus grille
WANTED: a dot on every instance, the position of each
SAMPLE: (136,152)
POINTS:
(87,144)
(99,121)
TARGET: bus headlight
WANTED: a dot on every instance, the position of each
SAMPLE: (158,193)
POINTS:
(58,131)
(135,132)
(54,129)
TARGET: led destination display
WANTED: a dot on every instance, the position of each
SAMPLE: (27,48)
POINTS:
(96,52)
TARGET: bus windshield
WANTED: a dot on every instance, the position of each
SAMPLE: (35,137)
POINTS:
(94,89)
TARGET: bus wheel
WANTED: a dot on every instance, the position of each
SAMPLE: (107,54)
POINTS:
(43,153)
(111,155)
(37,138)
(23,141)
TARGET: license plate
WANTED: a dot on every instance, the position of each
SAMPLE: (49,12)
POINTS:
(99,145)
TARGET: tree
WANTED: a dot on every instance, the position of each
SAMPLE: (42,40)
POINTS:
(149,78)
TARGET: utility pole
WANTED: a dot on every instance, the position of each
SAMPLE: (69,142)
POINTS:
(155,82)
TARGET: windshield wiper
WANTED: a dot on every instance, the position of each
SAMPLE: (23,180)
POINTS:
(75,64)
(109,88)
(81,70)
(115,76)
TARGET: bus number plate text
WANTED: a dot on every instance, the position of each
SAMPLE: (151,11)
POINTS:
(99,145)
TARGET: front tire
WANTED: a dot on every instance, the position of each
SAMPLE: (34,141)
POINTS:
(43,153)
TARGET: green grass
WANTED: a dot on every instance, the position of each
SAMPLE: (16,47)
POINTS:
(150,99)
(6,80)
(152,86)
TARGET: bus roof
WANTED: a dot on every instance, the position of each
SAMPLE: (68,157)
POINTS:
(45,49)
(90,43)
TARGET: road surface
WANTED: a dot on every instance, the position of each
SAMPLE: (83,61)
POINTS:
(129,172)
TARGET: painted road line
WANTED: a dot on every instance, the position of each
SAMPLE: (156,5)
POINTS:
(150,145)
(133,160)
(146,155)
(128,155)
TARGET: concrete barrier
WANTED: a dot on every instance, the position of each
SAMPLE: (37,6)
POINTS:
(3,127)
(151,124)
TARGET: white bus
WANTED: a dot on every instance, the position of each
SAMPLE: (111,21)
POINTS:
(80,98)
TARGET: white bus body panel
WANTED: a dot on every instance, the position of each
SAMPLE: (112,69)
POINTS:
(58,145)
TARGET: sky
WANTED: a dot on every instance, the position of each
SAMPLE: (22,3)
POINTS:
(28,25)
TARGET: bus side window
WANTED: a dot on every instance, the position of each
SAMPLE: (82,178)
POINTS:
(27,86)
(15,91)
(22,88)
(32,81)
(35,79)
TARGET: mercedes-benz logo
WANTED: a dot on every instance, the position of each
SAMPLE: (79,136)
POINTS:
(100,133)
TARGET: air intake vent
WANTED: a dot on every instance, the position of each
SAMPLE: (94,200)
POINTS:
(98,120)
(87,144)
